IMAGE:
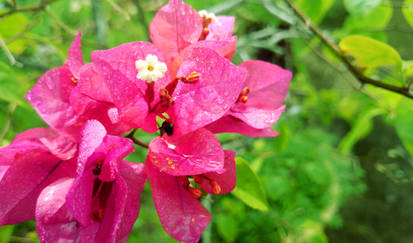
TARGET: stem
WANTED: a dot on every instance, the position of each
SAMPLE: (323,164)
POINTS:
(6,127)
(141,16)
(136,141)
(35,7)
(118,9)
(8,53)
(356,72)
(207,234)
(60,22)
(100,22)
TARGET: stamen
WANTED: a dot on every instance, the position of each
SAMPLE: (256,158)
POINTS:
(192,78)
(74,80)
(207,18)
(243,97)
(195,192)
(216,188)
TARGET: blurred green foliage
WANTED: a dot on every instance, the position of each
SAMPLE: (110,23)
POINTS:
(340,171)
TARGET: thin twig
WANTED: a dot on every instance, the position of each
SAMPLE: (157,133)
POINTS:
(6,126)
(60,22)
(118,9)
(35,7)
(131,136)
(355,71)
(8,53)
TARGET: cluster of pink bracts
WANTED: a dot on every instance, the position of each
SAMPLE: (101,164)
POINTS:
(72,179)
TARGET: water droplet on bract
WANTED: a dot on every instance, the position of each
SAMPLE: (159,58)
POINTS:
(269,121)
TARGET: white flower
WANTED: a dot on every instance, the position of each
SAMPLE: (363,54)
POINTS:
(150,69)
(206,15)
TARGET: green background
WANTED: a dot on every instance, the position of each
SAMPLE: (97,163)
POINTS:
(341,170)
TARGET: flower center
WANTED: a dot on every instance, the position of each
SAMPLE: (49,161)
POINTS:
(74,80)
(194,190)
(100,195)
(207,17)
(150,69)
(165,94)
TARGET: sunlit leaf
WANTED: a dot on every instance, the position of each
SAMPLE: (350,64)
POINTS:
(376,19)
(249,188)
(11,26)
(361,6)
(408,11)
(5,233)
(370,53)
(404,123)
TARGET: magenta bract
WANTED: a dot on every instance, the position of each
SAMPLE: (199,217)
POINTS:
(73,179)
(26,167)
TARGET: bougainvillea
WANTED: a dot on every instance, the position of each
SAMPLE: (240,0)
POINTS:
(72,179)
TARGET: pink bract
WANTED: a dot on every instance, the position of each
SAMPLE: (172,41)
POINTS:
(268,86)
(26,166)
(205,101)
(195,153)
(174,27)
(181,214)
(104,197)
(59,102)
(226,180)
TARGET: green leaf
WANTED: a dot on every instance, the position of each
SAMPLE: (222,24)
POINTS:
(370,53)
(11,89)
(360,6)
(376,19)
(408,11)
(11,26)
(249,188)
(227,227)
(5,233)
(312,232)
(404,123)
(361,127)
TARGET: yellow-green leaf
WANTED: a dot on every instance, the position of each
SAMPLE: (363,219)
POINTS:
(408,11)
(404,123)
(370,53)
(249,188)
(11,26)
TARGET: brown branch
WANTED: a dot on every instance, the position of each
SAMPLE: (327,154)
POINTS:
(135,140)
(356,72)
(36,7)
